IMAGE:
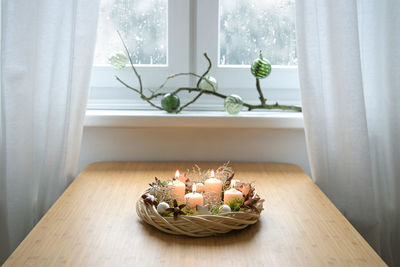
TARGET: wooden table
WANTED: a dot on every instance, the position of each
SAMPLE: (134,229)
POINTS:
(94,223)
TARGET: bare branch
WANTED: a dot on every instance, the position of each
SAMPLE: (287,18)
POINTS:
(130,61)
(200,91)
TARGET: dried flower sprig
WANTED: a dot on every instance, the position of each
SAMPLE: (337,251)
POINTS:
(211,198)
(197,174)
(224,172)
(160,190)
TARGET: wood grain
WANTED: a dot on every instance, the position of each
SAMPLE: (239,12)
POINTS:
(94,224)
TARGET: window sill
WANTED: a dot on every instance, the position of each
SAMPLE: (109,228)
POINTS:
(192,119)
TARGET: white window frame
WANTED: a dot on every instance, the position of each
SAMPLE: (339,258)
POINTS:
(193,28)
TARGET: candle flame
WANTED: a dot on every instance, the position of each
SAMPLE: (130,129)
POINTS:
(194,188)
(177,174)
(212,174)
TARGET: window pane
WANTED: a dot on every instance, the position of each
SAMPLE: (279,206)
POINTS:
(246,27)
(143,25)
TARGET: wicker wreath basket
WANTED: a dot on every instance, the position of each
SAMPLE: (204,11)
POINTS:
(195,226)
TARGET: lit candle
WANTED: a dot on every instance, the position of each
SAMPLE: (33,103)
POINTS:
(193,199)
(177,190)
(180,177)
(232,194)
(213,185)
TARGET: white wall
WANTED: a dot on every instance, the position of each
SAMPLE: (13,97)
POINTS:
(193,144)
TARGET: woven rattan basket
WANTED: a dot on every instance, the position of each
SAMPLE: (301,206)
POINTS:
(195,226)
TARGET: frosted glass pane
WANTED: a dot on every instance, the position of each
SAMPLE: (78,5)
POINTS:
(143,25)
(252,25)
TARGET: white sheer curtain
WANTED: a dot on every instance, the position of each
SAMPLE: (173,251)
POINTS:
(46,58)
(349,66)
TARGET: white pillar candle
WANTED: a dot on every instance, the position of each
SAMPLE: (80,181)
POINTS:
(213,185)
(200,187)
(180,177)
(232,194)
(177,190)
(193,199)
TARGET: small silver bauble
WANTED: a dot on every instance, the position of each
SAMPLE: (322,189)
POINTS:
(162,207)
(224,209)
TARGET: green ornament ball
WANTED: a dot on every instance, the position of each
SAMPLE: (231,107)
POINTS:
(117,60)
(233,104)
(261,68)
(170,102)
(209,83)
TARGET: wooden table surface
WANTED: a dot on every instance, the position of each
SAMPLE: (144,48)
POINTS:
(94,223)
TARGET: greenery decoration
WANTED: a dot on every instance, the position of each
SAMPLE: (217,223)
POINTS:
(235,204)
(261,70)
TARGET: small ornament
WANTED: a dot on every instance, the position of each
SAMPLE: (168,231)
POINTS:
(245,188)
(117,60)
(224,209)
(209,83)
(203,210)
(261,68)
(233,104)
(170,102)
(177,209)
(162,207)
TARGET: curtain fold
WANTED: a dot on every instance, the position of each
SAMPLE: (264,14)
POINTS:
(47,52)
(348,55)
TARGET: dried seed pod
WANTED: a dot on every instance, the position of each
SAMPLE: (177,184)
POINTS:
(150,199)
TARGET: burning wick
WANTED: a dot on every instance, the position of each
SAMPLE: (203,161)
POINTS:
(180,177)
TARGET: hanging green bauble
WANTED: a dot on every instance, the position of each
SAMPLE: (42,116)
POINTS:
(209,83)
(117,60)
(170,102)
(233,104)
(261,68)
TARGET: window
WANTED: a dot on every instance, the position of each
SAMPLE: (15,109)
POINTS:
(145,25)
(168,37)
(245,27)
